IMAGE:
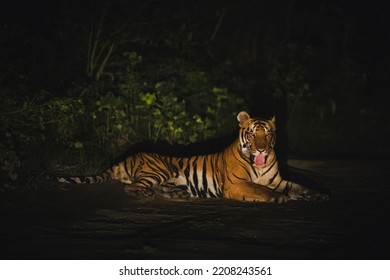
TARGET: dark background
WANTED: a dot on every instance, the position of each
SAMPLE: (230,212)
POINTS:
(82,81)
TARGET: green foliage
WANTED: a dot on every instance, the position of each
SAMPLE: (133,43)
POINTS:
(137,110)
(26,123)
(111,114)
(10,164)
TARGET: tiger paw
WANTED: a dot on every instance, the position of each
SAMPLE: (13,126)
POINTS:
(309,195)
(139,193)
(317,196)
(270,198)
(279,198)
(175,193)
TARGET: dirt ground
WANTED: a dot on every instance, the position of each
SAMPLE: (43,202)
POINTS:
(101,222)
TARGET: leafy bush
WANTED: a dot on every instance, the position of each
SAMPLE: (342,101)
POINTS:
(108,116)
(30,123)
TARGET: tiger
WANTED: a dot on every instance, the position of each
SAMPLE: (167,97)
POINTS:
(247,170)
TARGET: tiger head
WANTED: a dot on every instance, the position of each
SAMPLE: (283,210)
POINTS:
(257,138)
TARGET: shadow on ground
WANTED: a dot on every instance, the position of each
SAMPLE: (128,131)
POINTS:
(101,222)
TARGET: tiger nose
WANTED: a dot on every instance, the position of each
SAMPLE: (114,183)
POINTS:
(261,144)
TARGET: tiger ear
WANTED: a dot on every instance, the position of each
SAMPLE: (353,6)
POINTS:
(273,122)
(242,117)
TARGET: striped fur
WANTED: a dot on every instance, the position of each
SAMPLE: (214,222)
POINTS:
(247,170)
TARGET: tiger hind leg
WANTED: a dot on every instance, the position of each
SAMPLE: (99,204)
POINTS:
(171,192)
(139,192)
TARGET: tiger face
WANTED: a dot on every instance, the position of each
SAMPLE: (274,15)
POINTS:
(257,138)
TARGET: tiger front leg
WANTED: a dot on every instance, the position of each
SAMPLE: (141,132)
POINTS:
(248,191)
(298,192)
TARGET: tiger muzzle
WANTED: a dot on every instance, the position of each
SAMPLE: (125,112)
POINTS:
(259,159)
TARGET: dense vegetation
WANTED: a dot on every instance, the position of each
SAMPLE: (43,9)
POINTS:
(80,82)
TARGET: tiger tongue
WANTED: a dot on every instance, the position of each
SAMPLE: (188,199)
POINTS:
(259,160)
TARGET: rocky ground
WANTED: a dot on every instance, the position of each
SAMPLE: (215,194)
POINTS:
(101,222)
